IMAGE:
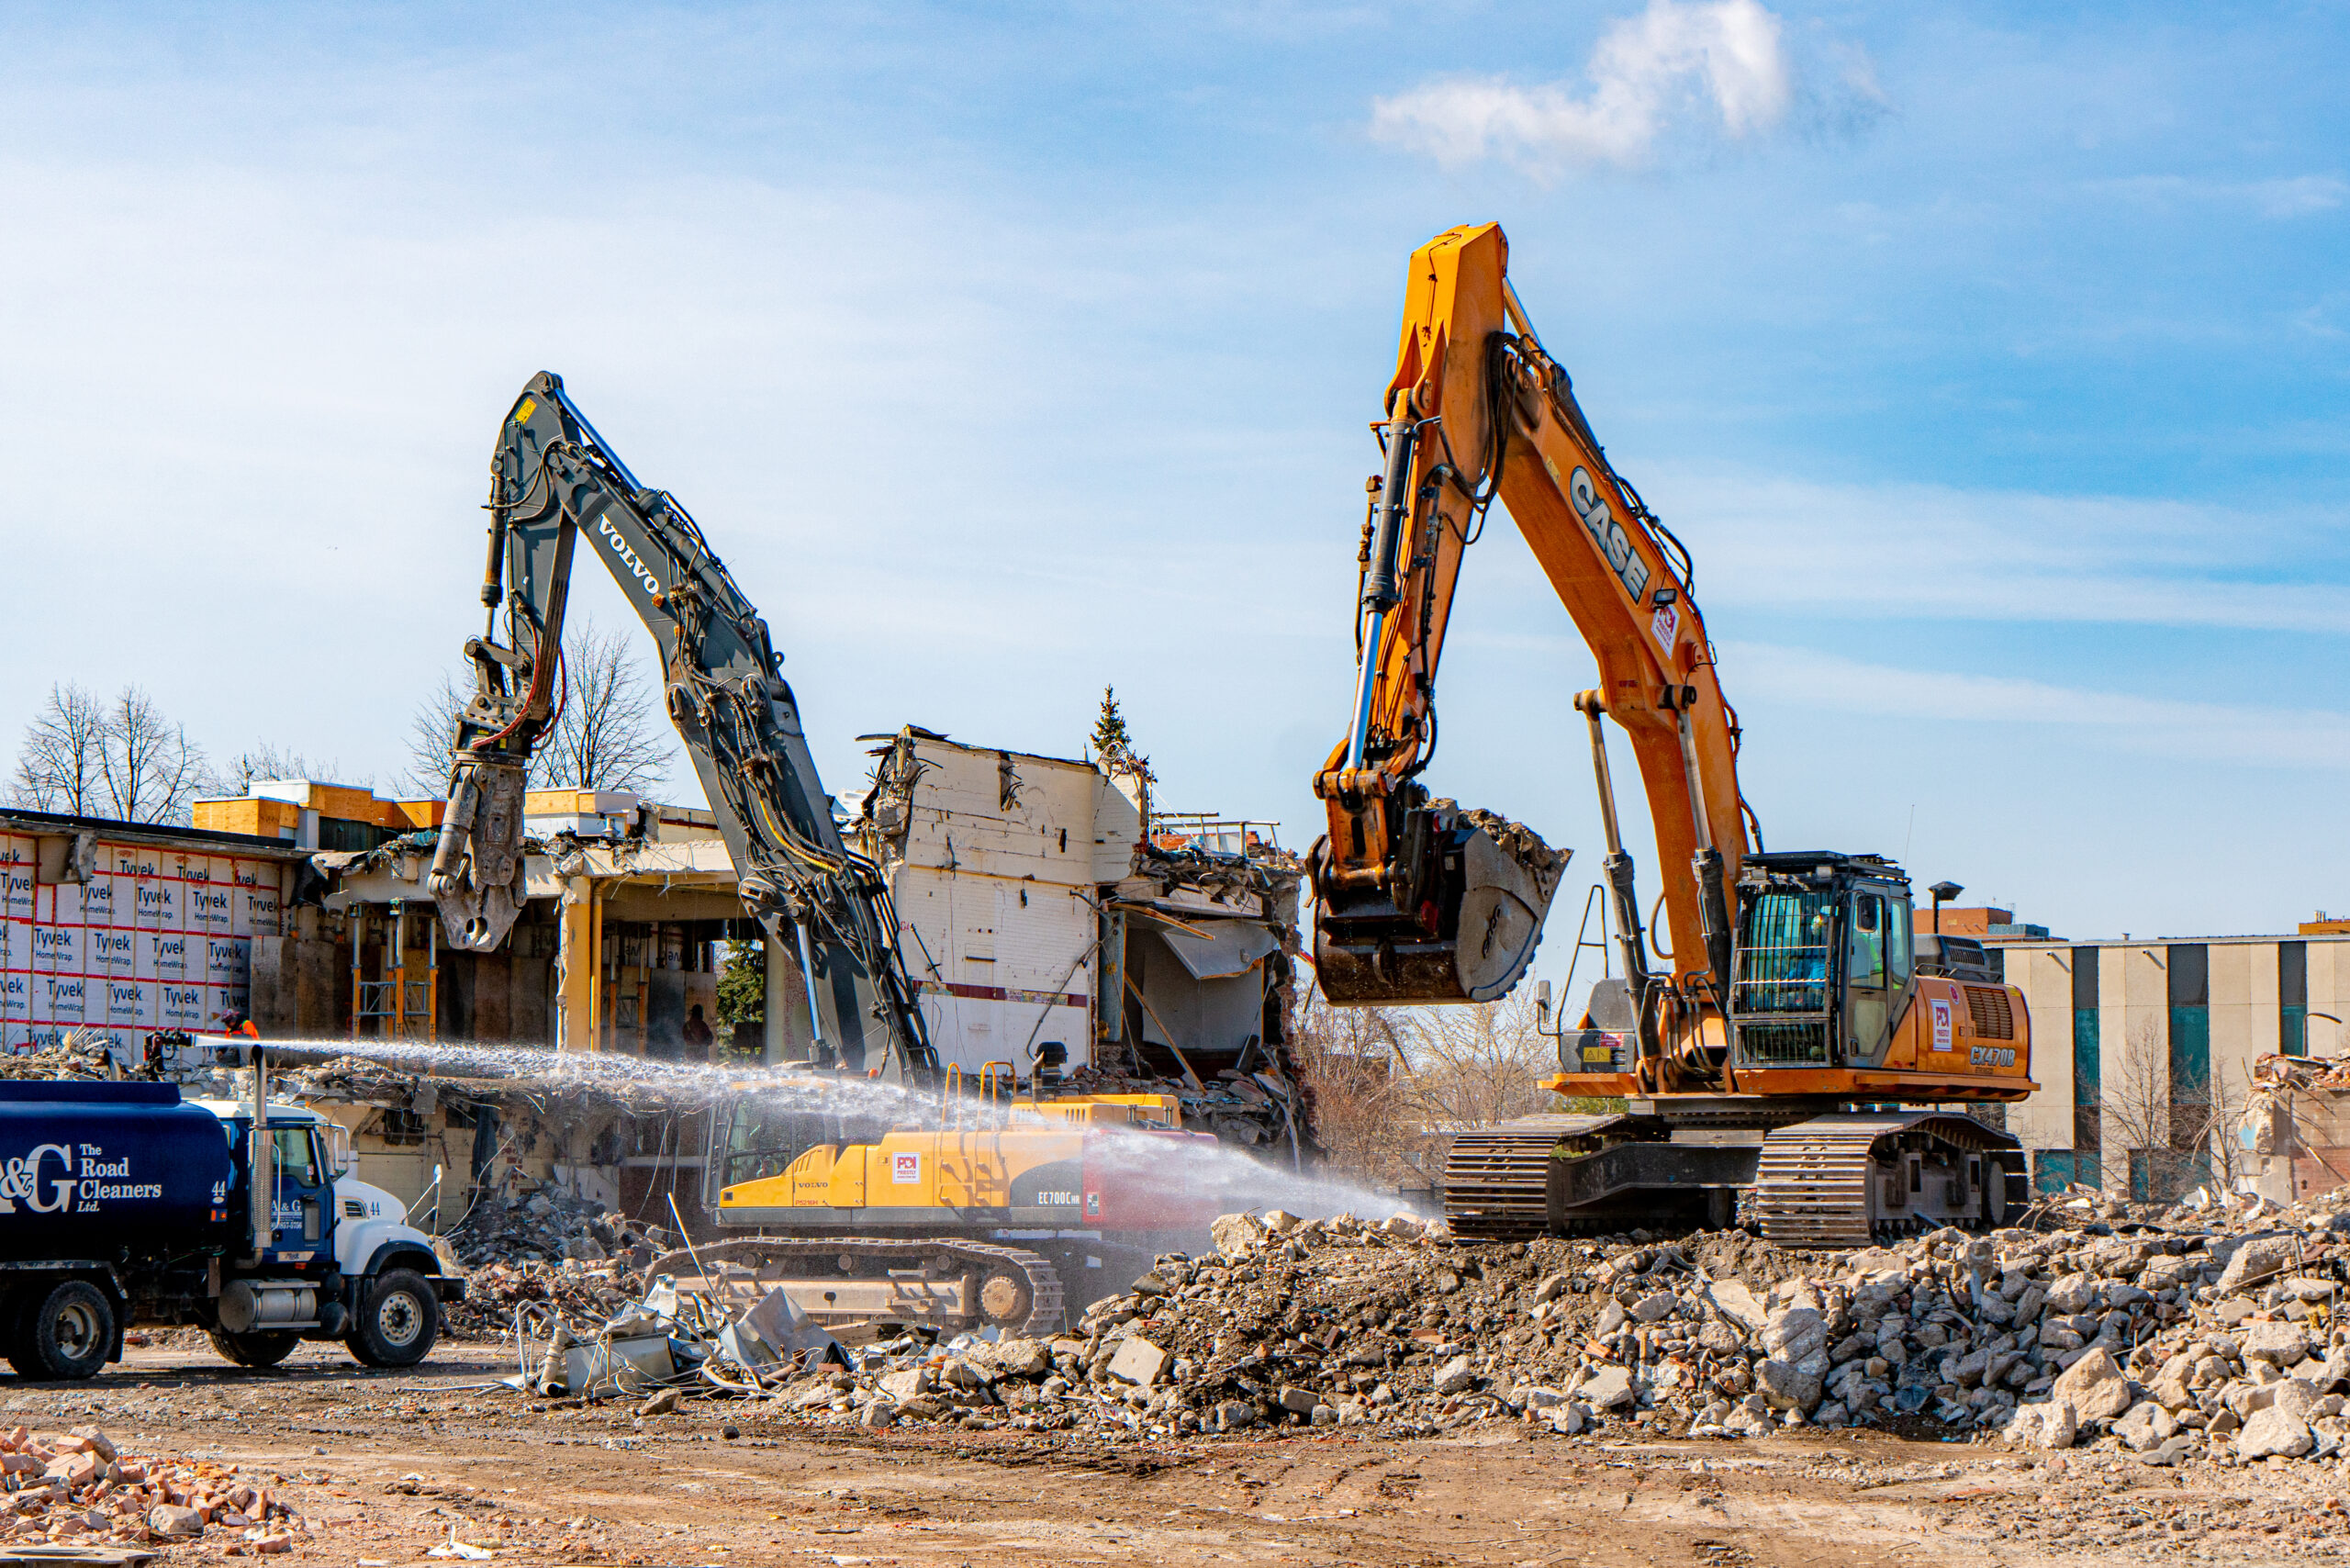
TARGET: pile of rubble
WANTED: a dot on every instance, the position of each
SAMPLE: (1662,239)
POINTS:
(548,1226)
(2226,1347)
(77,1488)
(578,1296)
(78,1054)
(553,1255)
(2207,1337)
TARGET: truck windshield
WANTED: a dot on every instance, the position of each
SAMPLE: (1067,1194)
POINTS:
(294,1154)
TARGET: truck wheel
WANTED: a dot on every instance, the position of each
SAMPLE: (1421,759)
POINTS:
(260,1349)
(400,1318)
(66,1334)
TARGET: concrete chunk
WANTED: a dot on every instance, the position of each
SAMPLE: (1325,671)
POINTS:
(2273,1431)
(2256,1258)
(1736,1305)
(2145,1427)
(1235,1235)
(2094,1387)
(1138,1362)
(168,1519)
(2280,1344)
(1609,1388)
(2050,1425)
(900,1387)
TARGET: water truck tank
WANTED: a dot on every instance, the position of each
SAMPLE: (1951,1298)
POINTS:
(85,1167)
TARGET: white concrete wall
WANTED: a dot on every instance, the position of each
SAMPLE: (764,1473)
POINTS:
(994,903)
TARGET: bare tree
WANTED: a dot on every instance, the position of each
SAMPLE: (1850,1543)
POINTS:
(121,758)
(1352,1059)
(1392,1086)
(269,760)
(2136,1096)
(59,766)
(2174,1135)
(2231,1093)
(430,732)
(1482,1064)
(612,734)
(150,769)
(609,732)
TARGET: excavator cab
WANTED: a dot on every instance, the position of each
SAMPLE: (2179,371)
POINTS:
(1823,960)
(1452,913)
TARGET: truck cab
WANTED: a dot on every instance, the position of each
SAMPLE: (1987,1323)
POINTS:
(138,1208)
(335,1245)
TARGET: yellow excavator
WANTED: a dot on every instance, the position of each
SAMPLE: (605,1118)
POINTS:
(998,1201)
(1805,1056)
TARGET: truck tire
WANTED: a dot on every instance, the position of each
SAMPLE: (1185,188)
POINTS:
(264,1348)
(65,1335)
(399,1319)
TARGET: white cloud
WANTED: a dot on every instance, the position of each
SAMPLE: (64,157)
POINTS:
(2203,732)
(2300,196)
(1930,551)
(2284,196)
(1643,69)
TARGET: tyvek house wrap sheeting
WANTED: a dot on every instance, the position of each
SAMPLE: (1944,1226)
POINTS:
(153,939)
(1221,950)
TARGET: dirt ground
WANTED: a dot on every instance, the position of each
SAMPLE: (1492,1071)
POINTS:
(387,1465)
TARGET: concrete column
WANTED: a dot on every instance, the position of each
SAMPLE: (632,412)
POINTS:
(781,991)
(1109,987)
(788,1026)
(575,962)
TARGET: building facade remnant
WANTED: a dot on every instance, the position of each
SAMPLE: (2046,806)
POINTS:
(120,929)
(2146,1051)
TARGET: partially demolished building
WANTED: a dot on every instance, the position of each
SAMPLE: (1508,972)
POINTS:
(1049,919)
(1052,918)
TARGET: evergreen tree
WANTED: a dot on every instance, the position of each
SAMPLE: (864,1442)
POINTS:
(1111,741)
(742,990)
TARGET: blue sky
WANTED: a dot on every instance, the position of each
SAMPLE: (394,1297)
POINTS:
(1993,360)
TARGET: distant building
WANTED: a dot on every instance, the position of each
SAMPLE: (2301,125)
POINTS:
(2143,1049)
(1982,922)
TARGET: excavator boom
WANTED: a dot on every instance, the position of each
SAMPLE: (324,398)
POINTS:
(555,487)
(1477,409)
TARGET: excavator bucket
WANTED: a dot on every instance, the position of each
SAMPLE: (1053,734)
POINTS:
(1474,888)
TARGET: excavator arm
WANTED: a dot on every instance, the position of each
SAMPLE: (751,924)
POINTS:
(556,487)
(1478,410)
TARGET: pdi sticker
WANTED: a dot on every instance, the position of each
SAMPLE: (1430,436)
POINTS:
(1941,1006)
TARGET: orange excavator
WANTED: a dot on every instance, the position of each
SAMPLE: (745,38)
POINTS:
(1804,1059)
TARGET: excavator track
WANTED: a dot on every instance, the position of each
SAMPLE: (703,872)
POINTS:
(1497,1180)
(1010,1288)
(1812,1188)
(1841,1180)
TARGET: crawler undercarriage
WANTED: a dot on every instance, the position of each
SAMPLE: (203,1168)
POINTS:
(1804,1176)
